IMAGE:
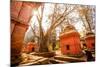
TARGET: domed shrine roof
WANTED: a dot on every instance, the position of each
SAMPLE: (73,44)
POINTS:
(68,29)
(89,34)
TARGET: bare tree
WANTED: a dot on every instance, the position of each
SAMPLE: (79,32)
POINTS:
(57,18)
(86,15)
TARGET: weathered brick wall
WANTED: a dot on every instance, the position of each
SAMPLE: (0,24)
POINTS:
(15,8)
(21,13)
(17,38)
(25,13)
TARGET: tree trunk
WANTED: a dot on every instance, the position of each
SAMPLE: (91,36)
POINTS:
(43,44)
(88,23)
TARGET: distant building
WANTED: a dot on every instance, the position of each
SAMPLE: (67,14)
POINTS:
(90,41)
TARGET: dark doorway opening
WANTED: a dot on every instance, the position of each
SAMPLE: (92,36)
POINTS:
(67,47)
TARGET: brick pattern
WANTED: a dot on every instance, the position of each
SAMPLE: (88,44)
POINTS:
(15,8)
(22,11)
(17,38)
(20,15)
(73,40)
(25,14)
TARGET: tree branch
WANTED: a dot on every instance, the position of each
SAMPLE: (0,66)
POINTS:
(34,32)
(55,24)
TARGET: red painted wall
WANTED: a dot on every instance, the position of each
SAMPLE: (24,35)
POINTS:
(21,13)
(29,47)
(73,40)
(17,38)
(15,8)
(89,42)
(25,13)
(20,16)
